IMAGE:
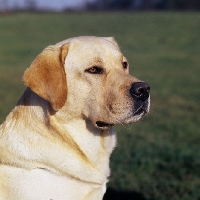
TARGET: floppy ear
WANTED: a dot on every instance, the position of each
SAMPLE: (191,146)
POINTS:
(46,75)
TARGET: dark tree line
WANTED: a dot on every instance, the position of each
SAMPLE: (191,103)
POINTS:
(31,5)
(145,4)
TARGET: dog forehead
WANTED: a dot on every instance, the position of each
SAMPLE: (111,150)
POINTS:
(89,51)
(92,45)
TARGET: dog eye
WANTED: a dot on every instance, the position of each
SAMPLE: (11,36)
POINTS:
(125,65)
(95,70)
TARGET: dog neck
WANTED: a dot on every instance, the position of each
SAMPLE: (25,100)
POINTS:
(41,141)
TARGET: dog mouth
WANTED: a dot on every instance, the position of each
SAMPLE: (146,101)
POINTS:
(140,111)
(103,125)
(141,108)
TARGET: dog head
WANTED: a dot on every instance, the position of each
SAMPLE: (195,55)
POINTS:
(88,78)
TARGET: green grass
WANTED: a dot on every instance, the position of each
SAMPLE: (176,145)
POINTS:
(160,155)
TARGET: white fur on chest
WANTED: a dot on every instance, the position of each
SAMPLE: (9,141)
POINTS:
(41,184)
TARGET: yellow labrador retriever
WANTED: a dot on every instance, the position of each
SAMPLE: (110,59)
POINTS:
(56,143)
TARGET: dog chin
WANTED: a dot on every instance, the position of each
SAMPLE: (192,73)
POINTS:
(104,126)
(137,117)
(133,119)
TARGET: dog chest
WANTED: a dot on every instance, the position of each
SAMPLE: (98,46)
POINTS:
(41,184)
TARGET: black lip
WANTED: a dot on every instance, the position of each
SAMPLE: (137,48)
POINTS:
(140,111)
(141,108)
(102,124)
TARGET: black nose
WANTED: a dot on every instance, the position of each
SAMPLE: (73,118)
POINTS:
(140,91)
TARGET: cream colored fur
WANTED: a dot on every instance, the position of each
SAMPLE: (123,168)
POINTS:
(50,144)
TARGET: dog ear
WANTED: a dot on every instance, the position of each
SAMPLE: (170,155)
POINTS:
(46,75)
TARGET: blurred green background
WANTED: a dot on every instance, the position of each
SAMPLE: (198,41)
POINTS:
(158,157)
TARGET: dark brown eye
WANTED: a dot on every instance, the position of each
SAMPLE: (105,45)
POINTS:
(125,65)
(95,70)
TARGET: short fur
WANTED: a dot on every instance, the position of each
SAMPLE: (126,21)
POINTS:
(51,146)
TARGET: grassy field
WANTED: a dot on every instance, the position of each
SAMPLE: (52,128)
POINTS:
(158,157)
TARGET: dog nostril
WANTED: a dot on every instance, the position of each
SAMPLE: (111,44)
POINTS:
(140,91)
